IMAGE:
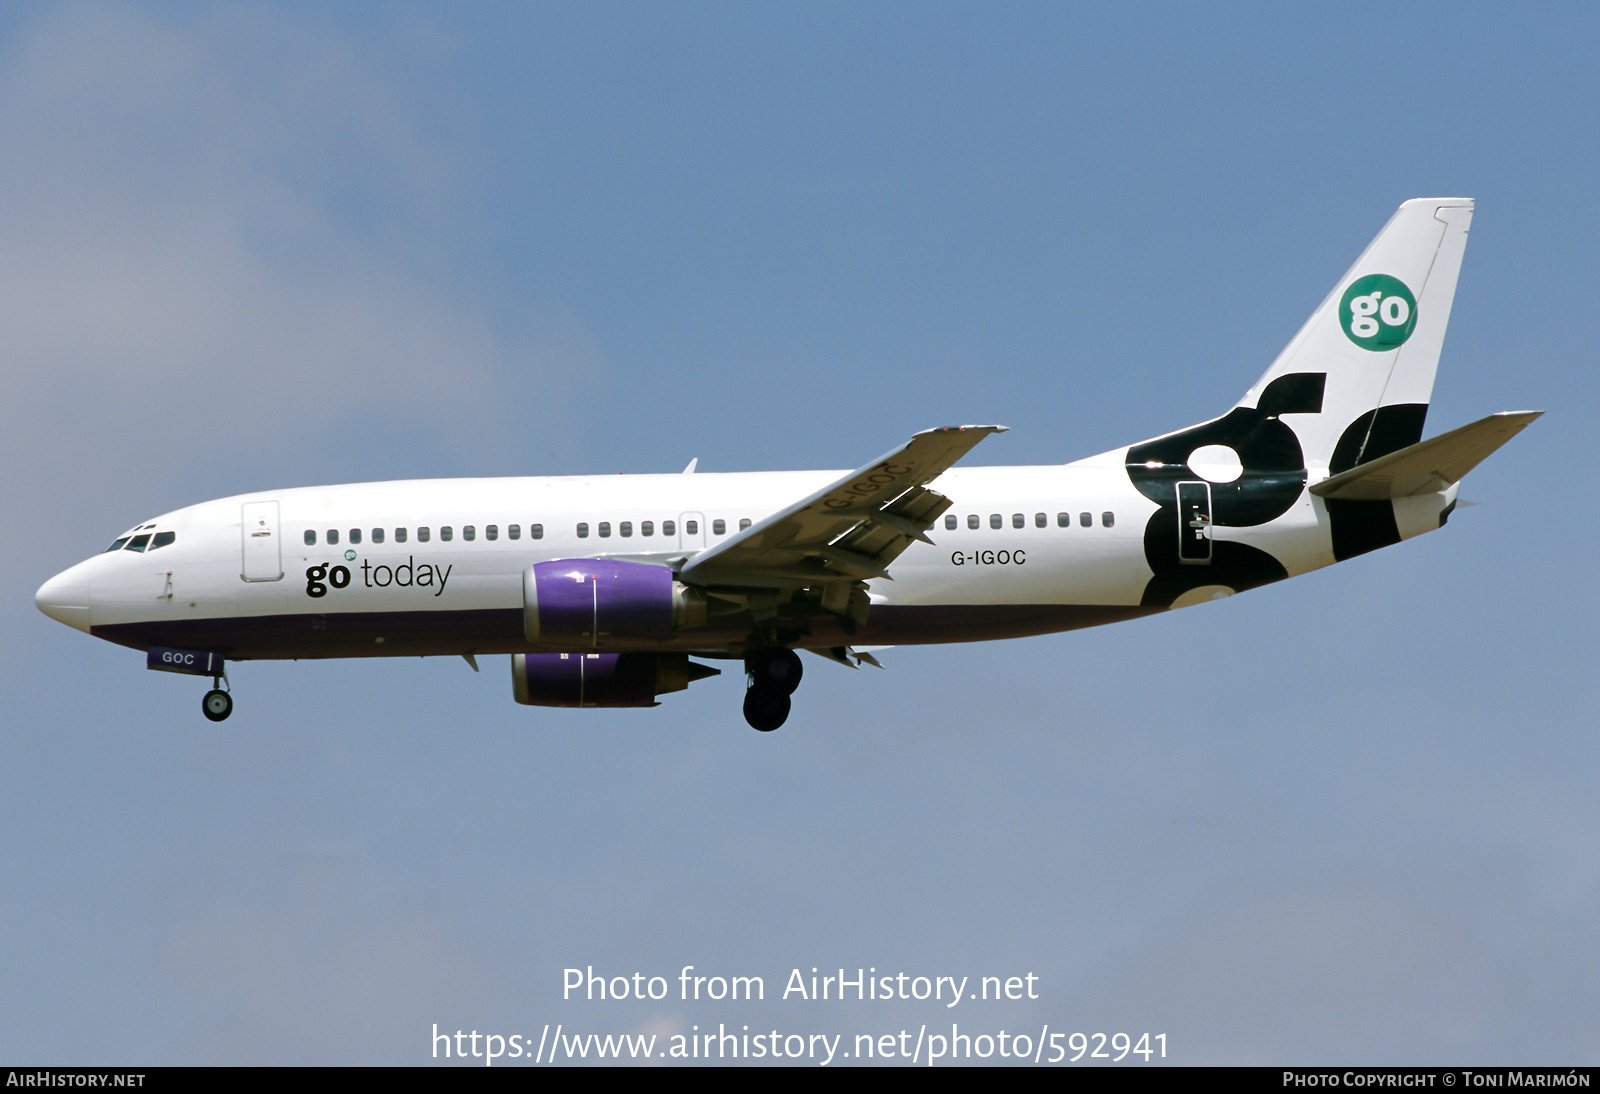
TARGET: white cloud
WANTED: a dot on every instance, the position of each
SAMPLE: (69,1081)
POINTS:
(217,250)
(317,972)
(1436,963)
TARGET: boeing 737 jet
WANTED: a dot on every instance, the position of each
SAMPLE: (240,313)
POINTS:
(615,590)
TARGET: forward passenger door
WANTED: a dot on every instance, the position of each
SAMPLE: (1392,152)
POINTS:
(262,557)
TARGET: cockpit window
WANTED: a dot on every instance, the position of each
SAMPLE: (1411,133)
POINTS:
(117,546)
(163,539)
(138,543)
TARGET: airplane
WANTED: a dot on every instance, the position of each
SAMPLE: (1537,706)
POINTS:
(612,591)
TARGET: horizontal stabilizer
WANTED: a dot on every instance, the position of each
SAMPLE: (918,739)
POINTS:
(1427,466)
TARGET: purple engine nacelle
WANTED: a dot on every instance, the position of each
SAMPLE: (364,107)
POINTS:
(601,679)
(588,603)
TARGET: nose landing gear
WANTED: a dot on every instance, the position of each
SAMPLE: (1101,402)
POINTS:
(774,674)
(217,704)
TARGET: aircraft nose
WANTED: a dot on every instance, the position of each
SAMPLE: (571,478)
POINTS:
(65,598)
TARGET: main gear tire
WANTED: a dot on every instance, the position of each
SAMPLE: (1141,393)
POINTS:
(777,670)
(765,710)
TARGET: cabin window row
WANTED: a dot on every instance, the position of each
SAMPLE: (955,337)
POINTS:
(646,528)
(1108,519)
(625,528)
(447,534)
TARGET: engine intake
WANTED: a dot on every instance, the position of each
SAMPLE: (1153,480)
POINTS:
(587,603)
(601,679)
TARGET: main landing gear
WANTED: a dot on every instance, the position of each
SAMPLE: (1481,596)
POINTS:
(217,704)
(774,674)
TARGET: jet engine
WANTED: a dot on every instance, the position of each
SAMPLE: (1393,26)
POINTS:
(588,603)
(601,679)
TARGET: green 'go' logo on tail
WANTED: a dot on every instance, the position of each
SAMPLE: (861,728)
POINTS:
(1378,312)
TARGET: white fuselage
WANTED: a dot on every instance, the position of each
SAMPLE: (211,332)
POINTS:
(1033,549)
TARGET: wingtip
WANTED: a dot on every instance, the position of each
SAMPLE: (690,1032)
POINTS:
(1518,419)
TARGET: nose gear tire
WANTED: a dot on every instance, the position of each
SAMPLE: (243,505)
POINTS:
(217,704)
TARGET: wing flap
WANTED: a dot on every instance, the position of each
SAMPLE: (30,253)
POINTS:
(1429,465)
(842,655)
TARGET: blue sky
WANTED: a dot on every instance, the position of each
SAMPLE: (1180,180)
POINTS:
(1345,819)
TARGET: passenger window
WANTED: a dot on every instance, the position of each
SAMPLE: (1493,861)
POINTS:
(669,527)
(311,538)
(1107,519)
(950,522)
(138,543)
(625,529)
(994,520)
(691,527)
(744,522)
(719,527)
(491,532)
(605,529)
(513,531)
(355,535)
(1041,521)
(422,533)
(1086,519)
(469,532)
(333,537)
(123,542)
(536,531)
(1063,520)
(647,527)
(377,535)
(1017,521)
(162,539)
(446,533)
(399,535)
(583,531)
(972,520)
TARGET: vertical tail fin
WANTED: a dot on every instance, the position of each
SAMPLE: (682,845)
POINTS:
(1358,376)
(1351,387)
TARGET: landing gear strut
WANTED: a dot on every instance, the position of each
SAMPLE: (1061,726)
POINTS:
(774,674)
(217,704)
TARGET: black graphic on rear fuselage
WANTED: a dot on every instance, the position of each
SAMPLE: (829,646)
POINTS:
(1273,476)
(1361,526)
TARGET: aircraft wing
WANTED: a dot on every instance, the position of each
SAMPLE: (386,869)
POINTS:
(849,531)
